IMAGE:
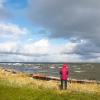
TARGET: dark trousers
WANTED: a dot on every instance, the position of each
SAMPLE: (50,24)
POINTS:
(63,84)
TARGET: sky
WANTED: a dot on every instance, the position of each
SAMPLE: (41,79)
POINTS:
(49,31)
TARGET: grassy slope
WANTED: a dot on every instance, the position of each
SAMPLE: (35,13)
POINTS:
(25,93)
(21,87)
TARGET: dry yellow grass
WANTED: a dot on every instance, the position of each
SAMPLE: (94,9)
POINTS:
(21,79)
(84,87)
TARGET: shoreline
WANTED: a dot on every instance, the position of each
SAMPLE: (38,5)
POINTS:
(19,79)
(45,77)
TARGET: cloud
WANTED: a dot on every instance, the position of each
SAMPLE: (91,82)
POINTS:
(84,49)
(38,47)
(8,47)
(75,21)
(67,18)
(10,31)
(34,51)
(43,51)
(8,28)
(22,54)
(29,49)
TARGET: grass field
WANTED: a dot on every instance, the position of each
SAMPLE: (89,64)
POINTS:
(21,87)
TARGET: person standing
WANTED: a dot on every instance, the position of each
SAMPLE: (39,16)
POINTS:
(64,76)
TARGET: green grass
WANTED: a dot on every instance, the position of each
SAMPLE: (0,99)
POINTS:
(11,92)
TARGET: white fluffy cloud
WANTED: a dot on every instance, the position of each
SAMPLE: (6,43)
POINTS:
(11,29)
(42,51)
(11,32)
(8,47)
(38,47)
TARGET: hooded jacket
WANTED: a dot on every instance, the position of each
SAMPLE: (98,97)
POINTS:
(64,72)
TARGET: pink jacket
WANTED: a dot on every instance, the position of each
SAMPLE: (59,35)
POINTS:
(64,72)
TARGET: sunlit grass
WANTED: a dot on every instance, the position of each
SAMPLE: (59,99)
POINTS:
(22,87)
(21,79)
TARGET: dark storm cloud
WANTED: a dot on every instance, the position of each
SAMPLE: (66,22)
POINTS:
(86,50)
(67,18)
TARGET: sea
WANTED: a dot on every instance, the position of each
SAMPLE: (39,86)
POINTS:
(79,71)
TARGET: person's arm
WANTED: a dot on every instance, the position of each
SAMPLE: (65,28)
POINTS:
(60,72)
(67,72)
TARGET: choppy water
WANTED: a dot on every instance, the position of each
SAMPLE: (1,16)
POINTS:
(90,71)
